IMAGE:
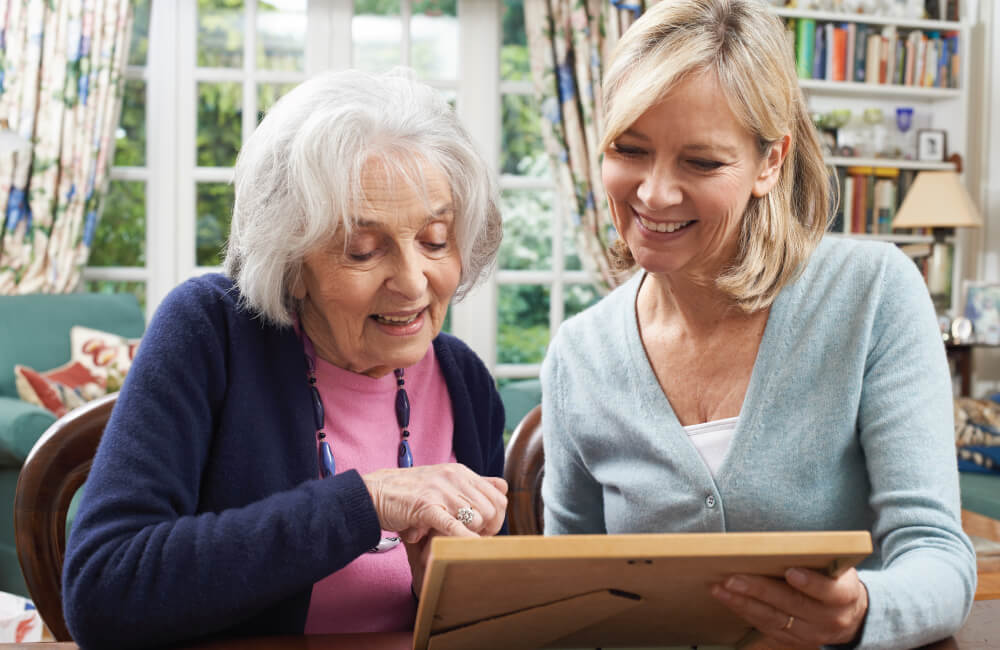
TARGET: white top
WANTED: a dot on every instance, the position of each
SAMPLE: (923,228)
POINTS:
(712,439)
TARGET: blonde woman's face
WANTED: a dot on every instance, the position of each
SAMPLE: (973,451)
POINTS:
(679,180)
(375,299)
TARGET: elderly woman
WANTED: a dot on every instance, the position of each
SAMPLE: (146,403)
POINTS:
(754,376)
(285,424)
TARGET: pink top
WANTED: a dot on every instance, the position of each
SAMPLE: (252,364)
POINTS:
(372,593)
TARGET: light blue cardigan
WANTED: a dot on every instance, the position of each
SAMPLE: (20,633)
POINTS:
(846,424)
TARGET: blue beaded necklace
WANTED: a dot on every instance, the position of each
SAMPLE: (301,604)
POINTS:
(327,466)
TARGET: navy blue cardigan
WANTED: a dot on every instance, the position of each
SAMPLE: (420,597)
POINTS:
(202,514)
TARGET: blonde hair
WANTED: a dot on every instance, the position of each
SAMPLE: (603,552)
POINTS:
(298,178)
(743,43)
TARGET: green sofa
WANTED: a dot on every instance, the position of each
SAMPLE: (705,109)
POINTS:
(34,332)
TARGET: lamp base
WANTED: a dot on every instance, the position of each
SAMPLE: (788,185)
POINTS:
(939,266)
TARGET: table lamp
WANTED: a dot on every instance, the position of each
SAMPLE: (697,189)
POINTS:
(938,200)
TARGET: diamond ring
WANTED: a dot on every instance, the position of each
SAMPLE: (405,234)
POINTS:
(465,515)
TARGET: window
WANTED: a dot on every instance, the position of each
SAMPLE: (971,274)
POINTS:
(540,278)
(203,72)
(118,257)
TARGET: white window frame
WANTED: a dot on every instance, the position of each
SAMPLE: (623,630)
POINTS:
(171,174)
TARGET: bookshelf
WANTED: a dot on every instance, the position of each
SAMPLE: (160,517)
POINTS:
(939,99)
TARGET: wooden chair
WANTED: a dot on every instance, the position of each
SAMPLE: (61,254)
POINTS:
(56,467)
(523,469)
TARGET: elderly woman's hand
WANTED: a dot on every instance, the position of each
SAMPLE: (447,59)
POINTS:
(807,608)
(416,500)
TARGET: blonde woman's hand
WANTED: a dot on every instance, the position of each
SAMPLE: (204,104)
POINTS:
(417,500)
(807,608)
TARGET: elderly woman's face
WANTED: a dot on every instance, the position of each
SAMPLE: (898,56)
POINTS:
(680,178)
(375,300)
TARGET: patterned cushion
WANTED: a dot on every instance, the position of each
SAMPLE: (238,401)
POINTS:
(977,434)
(60,389)
(106,355)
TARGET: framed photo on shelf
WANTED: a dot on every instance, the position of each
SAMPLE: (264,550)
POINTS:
(982,308)
(931,145)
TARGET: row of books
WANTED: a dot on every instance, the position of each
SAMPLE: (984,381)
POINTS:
(943,9)
(869,199)
(874,54)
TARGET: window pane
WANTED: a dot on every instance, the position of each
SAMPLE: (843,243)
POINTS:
(220,34)
(139,47)
(137,289)
(527,230)
(522,148)
(281,35)
(377,32)
(215,210)
(451,96)
(522,323)
(220,114)
(120,238)
(577,297)
(571,257)
(434,39)
(130,139)
(514,61)
(267,95)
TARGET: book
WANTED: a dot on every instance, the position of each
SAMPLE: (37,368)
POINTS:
(900,61)
(805,43)
(885,205)
(852,33)
(819,53)
(919,58)
(889,39)
(837,185)
(848,202)
(838,58)
(930,64)
(953,11)
(912,43)
(860,50)
(873,58)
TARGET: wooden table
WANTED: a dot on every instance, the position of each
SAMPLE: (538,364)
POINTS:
(981,630)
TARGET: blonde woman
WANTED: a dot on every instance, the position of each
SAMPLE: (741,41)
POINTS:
(754,375)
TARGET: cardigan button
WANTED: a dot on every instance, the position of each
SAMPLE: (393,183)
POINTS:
(710,501)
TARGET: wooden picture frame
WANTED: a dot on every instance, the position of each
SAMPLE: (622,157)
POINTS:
(931,145)
(577,591)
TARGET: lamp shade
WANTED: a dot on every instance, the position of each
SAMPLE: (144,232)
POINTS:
(937,199)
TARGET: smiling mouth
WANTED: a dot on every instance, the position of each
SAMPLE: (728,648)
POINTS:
(396,319)
(661,226)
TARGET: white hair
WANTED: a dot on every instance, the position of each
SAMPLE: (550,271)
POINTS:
(298,178)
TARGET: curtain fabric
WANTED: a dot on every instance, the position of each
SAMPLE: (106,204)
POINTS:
(570,42)
(61,83)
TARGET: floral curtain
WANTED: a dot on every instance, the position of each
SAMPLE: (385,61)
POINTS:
(570,42)
(61,82)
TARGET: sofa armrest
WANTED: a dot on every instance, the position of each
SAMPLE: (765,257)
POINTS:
(21,424)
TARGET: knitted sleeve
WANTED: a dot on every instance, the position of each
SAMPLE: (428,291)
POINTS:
(926,585)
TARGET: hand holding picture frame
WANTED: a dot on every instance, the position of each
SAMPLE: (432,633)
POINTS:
(931,145)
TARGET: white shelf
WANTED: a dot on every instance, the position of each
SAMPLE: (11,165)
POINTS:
(868,19)
(894,238)
(861,89)
(893,163)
